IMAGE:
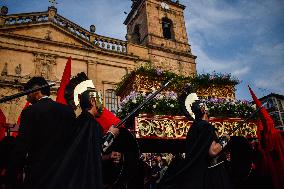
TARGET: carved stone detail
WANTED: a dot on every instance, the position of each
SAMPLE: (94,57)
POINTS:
(12,108)
(45,66)
(5,70)
(18,70)
(51,12)
(48,35)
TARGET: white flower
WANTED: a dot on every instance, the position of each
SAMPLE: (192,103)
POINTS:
(172,105)
(134,101)
(154,106)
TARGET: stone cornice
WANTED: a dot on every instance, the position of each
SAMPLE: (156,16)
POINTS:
(66,45)
(12,27)
(12,83)
(171,51)
(173,40)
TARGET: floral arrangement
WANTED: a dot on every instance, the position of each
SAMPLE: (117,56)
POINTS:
(214,78)
(229,108)
(179,81)
(167,104)
(162,104)
(155,74)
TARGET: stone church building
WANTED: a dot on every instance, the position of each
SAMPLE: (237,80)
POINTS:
(39,44)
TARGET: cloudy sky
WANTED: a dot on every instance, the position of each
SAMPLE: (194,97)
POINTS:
(242,37)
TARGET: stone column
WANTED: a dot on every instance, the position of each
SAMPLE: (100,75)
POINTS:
(92,71)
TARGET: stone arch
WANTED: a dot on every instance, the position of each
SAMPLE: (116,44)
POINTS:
(167,26)
(136,36)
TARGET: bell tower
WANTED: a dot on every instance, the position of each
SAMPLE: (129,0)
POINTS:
(160,26)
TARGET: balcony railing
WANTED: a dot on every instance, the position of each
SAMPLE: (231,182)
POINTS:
(26,18)
(98,41)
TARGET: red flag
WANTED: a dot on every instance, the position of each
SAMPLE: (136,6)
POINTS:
(64,81)
(271,146)
(2,124)
(267,123)
(107,119)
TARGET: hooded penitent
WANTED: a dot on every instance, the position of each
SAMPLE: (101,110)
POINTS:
(192,172)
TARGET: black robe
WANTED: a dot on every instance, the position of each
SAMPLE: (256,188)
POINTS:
(81,167)
(44,130)
(193,172)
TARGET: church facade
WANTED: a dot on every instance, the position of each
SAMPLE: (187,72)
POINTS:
(39,44)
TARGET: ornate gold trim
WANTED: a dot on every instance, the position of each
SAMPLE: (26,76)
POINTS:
(176,127)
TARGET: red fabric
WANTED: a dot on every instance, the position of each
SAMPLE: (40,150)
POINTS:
(64,81)
(2,124)
(271,146)
(267,124)
(107,119)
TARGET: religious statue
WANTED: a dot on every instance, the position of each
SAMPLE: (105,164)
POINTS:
(18,69)
(5,70)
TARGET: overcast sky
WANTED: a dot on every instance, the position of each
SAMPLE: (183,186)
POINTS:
(242,37)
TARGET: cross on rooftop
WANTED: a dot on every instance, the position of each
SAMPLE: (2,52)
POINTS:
(53,2)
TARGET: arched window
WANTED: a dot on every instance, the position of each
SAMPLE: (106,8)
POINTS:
(111,100)
(136,37)
(167,26)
